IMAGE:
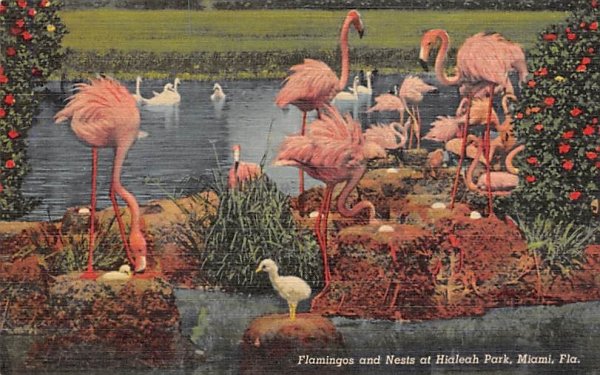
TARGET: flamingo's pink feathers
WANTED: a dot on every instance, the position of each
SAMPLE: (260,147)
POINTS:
(388,102)
(245,172)
(103,113)
(499,181)
(413,88)
(310,85)
(387,136)
(443,129)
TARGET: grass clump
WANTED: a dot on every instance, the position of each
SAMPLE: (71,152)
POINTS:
(251,224)
(557,247)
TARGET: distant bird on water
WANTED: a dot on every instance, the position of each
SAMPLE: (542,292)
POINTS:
(104,114)
(313,84)
(291,288)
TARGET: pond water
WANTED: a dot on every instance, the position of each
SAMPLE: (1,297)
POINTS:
(216,322)
(183,145)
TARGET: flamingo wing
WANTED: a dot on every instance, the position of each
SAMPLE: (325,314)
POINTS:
(310,85)
(443,129)
(388,102)
(100,110)
(413,88)
(383,135)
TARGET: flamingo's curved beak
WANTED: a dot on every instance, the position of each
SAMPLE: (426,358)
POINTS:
(140,265)
(424,65)
(361,33)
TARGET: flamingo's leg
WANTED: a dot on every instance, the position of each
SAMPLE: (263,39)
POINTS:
(300,171)
(322,240)
(486,151)
(416,109)
(328,195)
(463,149)
(113,199)
(89,273)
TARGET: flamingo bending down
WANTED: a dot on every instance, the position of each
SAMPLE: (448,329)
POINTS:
(313,84)
(104,114)
(241,172)
(392,136)
(483,63)
(412,92)
(334,151)
(390,103)
(500,183)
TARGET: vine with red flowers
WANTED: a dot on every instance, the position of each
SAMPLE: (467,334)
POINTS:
(560,171)
(30,43)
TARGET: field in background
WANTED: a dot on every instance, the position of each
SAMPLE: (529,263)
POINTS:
(265,30)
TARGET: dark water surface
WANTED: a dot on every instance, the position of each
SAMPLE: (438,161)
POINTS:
(183,142)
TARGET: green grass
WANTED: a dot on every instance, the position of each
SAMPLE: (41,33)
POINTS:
(223,31)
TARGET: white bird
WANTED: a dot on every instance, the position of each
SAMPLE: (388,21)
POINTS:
(168,96)
(138,96)
(291,288)
(218,94)
(368,90)
(123,274)
(346,100)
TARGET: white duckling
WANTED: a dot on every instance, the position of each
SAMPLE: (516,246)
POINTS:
(123,274)
(291,288)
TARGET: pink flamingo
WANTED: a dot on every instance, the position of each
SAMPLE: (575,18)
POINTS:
(412,92)
(104,114)
(389,103)
(240,171)
(500,183)
(483,61)
(392,136)
(334,151)
(313,84)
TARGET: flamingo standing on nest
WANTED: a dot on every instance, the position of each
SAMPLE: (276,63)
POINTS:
(313,84)
(104,114)
(334,151)
(241,172)
(483,62)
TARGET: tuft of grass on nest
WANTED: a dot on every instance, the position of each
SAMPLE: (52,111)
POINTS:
(560,246)
(251,223)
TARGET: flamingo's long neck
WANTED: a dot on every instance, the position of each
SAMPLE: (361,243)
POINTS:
(345,54)
(369,82)
(509,159)
(440,61)
(350,185)
(134,208)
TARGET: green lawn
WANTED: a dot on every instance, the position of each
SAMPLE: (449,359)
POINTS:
(222,31)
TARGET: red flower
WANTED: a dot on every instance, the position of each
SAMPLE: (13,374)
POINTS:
(563,148)
(551,37)
(43,3)
(591,155)
(541,72)
(3,79)
(22,4)
(31,12)
(582,25)
(588,130)
(591,51)
(581,68)
(549,101)
(12,134)
(26,35)
(576,112)
(520,115)
(568,165)
(568,134)
(594,26)
(9,99)
(11,51)
(531,83)
(2,112)
(15,30)
(532,160)
(2,8)
(574,195)
(571,36)
(530,179)
(539,127)
(586,60)
(20,23)
(595,120)
(36,72)
(10,164)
